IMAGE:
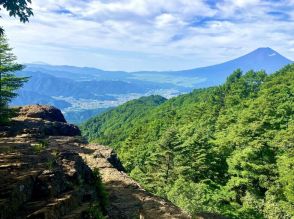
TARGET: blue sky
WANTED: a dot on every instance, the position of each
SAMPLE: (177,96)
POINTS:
(137,35)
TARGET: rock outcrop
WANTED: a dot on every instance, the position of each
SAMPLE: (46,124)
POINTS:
(48,113)
(48,171)
(126,197)
(39,121)
(44,179)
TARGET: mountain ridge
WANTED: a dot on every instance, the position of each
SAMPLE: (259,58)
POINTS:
(263,58)
(77,89)
(259,50)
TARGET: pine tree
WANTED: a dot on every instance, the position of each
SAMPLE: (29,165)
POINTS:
(168,143)
(9,83)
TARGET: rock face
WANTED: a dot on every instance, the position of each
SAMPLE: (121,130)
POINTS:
(126,197)
(39,121)
(47,171)
(48,113)
(42,175)
(44,182)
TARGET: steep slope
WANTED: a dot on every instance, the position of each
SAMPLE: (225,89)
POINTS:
(47,170)
(116,123)
(126,197)
(225,149)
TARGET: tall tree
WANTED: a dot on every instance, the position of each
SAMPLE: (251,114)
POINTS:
(9,83)
(17,8)
(166,159)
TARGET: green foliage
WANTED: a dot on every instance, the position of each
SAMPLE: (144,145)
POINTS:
(40,146)
(102,194)
(51,164)
(119,120)
(193,197)
(226,149)
(97,209)
(95,212)
(17,8)
(9,83)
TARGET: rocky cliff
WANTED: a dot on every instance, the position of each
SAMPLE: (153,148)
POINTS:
(48,171)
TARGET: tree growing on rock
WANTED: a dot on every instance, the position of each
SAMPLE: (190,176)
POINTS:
(9,82)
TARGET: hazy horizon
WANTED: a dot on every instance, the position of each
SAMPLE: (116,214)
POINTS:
(143,70)
(135,35)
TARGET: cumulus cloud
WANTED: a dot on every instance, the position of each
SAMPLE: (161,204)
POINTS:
(150,34)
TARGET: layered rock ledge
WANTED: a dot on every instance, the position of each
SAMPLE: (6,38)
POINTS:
(39,121)
(47,171)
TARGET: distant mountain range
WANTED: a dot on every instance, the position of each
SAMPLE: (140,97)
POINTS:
(47,84)
(260,59)
(265,59)
(82,90)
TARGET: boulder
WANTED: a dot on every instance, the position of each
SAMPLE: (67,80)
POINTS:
(44,112)
(39,121)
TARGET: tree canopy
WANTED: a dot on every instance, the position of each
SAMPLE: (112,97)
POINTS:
(17,8)
(226,149)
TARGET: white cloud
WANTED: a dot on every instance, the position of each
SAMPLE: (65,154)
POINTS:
(148,34)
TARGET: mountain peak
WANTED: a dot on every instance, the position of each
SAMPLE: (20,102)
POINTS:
(264,49)
(267,51)
(265,57)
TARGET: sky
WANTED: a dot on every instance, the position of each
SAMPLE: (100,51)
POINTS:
(134,35)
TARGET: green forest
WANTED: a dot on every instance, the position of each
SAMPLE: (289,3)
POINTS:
(227,149)
(9,82)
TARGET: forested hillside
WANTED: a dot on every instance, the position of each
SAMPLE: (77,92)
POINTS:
(115,125)
(226,149)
